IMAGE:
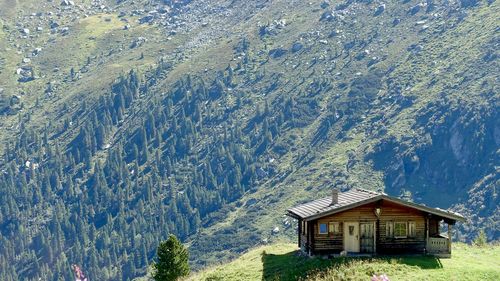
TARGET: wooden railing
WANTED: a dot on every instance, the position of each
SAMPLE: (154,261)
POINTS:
(438,245)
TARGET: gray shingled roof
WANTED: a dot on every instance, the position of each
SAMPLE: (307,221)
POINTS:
(324,204)
(357,197)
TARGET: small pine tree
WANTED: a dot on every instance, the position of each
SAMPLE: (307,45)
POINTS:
(172,260)
(481,239)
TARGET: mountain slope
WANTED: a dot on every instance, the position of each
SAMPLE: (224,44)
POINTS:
(207,119)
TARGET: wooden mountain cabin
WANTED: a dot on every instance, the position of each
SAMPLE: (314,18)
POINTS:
(363,221)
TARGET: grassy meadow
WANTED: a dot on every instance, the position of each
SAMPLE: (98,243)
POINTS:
(282,261)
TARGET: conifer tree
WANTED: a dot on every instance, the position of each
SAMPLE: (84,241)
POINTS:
(172,260)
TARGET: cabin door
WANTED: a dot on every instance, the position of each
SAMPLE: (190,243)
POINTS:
(351,234)
(367,237)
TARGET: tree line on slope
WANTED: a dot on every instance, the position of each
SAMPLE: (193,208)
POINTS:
(106,184)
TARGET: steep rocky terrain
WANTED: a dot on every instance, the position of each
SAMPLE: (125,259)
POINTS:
(123,121)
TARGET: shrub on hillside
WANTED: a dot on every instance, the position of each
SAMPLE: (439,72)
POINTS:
(481,239)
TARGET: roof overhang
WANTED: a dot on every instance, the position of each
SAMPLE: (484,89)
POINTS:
(434,211)
(334,211)
(441,213)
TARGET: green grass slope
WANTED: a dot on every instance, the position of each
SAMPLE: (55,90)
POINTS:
(282,261)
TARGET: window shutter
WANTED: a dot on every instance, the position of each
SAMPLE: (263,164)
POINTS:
(331,227)
(389,229)
(412,229)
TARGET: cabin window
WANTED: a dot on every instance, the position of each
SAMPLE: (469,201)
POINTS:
(323,229)
(400,230)
(412,229)
(389,229)
(334,227)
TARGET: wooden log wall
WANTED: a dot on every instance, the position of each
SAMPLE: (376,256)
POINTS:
(396,213)
(390,213)
(335,242)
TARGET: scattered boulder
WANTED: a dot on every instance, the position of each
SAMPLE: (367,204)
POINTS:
(272,29)
(415,49)
(414,10)
(36,51)
(65,30)
(26,74)
(54,24)
(137,42)
(67,3)
(146,19)
(297,46)
(379,10)
(275,230)
(278,52)
(349,45)
(326,16)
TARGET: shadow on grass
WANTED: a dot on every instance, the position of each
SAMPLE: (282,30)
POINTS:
(424,262)
(293,265)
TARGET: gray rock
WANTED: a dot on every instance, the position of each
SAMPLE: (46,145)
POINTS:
(278,52)
(297,46)
(137,42)
(53,24)
(67,3)
(380,9)
(275,230)
(414,10)
(146,19)
(36,51)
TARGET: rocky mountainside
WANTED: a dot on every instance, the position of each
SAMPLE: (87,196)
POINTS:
(124,121)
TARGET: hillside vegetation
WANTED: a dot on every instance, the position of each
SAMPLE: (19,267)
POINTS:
(122,122)
(282,261)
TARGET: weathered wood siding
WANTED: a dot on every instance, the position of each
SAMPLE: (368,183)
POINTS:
(395,213)
(335,242)
(303,239)
(390,213)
